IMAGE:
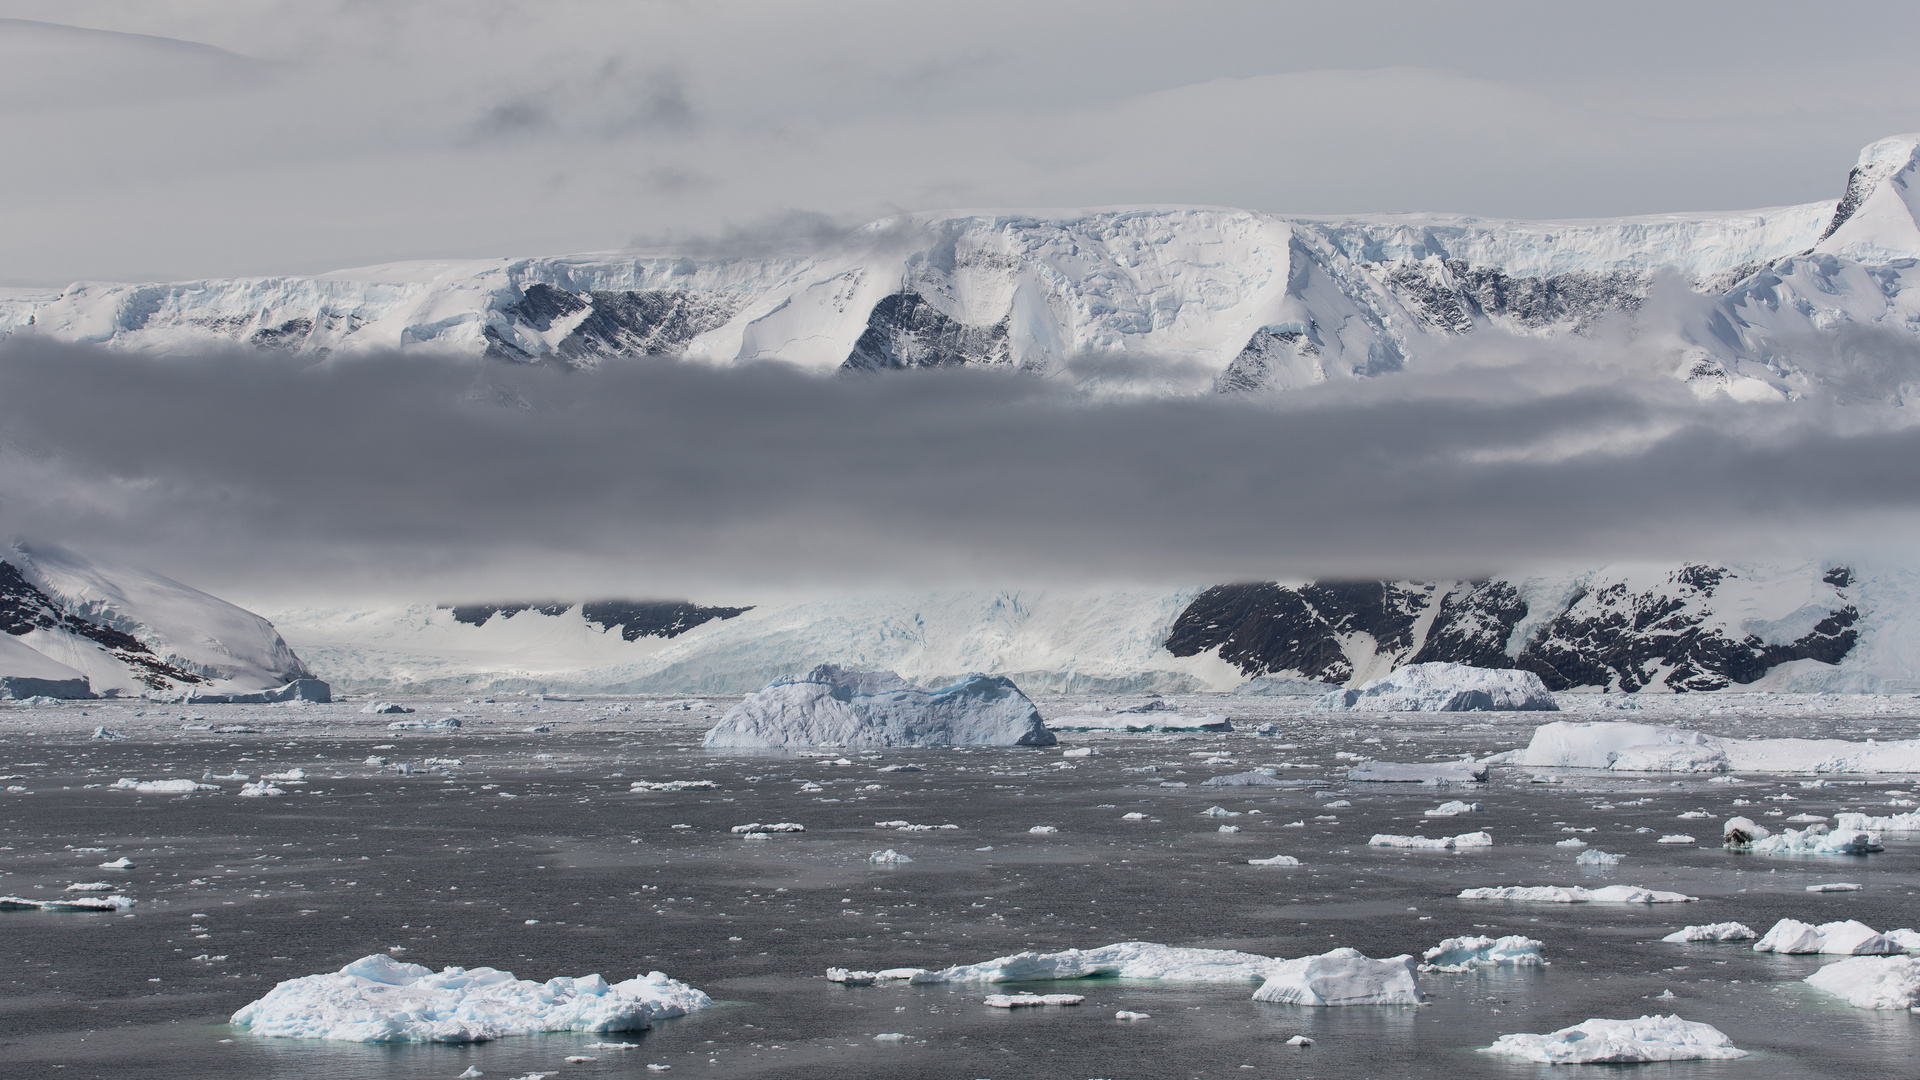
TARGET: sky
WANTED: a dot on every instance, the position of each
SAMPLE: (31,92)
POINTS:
(176,139)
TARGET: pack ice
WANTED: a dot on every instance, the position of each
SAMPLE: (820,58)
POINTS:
(1446,687)
(1626,746)
(1594,1042)
(831,706)
(380,999)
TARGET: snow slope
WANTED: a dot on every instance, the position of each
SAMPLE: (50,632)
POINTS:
(1255,300)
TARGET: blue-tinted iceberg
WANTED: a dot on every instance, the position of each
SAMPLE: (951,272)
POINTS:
(830,706)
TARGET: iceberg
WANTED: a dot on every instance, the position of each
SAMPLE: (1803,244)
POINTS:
(1446,687)
(1454,809)
(1255,778)
(1463,954)
(260,790)
(1574,894)
(1596,857)
(1871,982)
(1628,746)
(1443,843)
(1650,1038)
(1015,1001)
(833,706)
(1815,840)
(1342,977)
(1277,860)
(380,999)
(1848,938)
(1123,960)
(77,903)
(1440,772)
(1894,823)
(888,857)
(1720,931)
(162,787)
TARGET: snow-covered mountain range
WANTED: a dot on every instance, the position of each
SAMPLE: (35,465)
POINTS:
(1257,300)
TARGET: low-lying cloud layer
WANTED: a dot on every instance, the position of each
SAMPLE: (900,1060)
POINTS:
(430,478)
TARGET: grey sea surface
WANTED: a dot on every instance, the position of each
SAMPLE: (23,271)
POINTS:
(532,855)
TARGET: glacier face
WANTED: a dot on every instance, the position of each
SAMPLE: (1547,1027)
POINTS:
(1257,300)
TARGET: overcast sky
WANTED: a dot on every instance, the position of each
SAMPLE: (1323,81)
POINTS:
(167,139)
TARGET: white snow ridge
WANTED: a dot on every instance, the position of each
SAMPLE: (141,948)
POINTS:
(830,706)
(380,999)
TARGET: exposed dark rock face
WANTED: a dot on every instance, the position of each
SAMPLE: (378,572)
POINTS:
(1270,350)
(648,322)
(24,609)
(1607,635)
(635,618)
(906,331)
(1451,295)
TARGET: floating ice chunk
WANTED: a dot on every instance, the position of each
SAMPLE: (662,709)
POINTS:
(380,999)
(1256,778)
(1429,772)
(1077,752)
(92,886)
(1897,823)
(1871,982)
(1463,954)
(673,785)
(1445,687)
(1043,830)
(1442,843)
(104,735)
(900,768)
(1342,977)
(888,857)
(1741,832)
(1016,1001)
(1836,886)
(781,826)
(1133,815)
(1676,838)
(384,708)
(261,790)
(1125,960)
(890,1037)
(78,903)
(1720,931)
(1300,1041)
(1574,894)
(298,774)
(1571,843)
(1219,811)
(1454,809)
(443,722)
(908,826)
(1597,857)
(1277,860)
(1906,939)
(1650,1038)
(162,787)
(121,863)
(1229,828)
(1128,1015)
(1848,938)
(1145,720)
(852,978)
(1816,840)
(861,709)
(473,1071)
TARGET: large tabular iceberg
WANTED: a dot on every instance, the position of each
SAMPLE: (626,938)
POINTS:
(380,999)
(1444,687)
(1624,746)
(1123,960)
(1342,977)
(830,706)
(1595,1042)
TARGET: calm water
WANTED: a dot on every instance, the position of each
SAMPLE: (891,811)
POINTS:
(446,867)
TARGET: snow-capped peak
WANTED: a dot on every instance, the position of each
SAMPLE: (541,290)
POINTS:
(1875,219)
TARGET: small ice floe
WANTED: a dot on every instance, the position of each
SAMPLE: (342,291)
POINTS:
(1816,839)
(1871,982)
(1836,886)
(104,735)
(1253,778)
(1720,931)
(1574,894)
(1676,838)
(900,768)
(261,790)
(1018,1001)
(1219,811)
(1043,830)
(1229,828)
(672,785)
(888,857)
(1342,977)
(380,999)
(780,826)
(1571,843)
(384,708)
(1300,1041)
(1337,804)
(78,903)
(121,863)
(1896,823)
(473,1072)
(890,1037)
(1596,857)
(1454,809)
(1277,860)
(375,760)
(1133,815)
(162,787)
(294,776)
(1078,751)
(1848,938)
(92,886)
(907,826)
(1595,1042)
(447,722)
(1123,960)
(1428,772)
(1463,954)
(1440,843)
(1130,1016)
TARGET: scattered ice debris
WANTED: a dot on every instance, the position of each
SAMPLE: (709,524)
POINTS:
(384,708)
(1836,886)
(1848,938)
(1124,960)
(1429,772)
(1462,954)
(92,886)
(1871,982)
(1596,857)
(1816,840)
(860,709)
(1676,838)
(672,785)
(1571,843)
(1130,1016)
(890,1037)
(380,999)
(1594,1042)
(888,857)
(1277,860)
(1015,1001)
(1441,843)
(1043,830)
(121,863)
(1897,823)
(162,787)
(1300,1041)
(1720,931)
(1454,809)
(1341,977)
(261,790)
(1445,687)
(1574,894)
(78,903)
(780,826)
(1624,746)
